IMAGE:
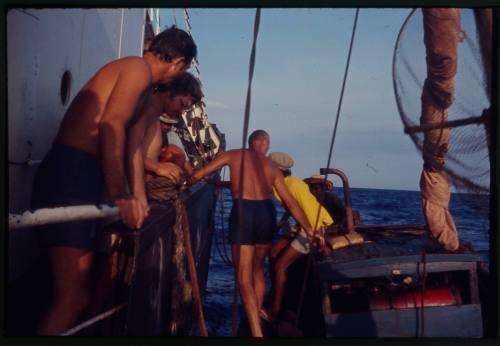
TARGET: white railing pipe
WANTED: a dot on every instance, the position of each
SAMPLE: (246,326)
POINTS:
(45,216)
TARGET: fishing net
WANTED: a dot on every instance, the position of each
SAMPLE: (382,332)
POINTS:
(467,158)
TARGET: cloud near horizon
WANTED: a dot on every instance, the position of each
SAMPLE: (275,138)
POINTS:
(216,104)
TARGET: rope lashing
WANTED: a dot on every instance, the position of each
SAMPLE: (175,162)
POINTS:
(161,190)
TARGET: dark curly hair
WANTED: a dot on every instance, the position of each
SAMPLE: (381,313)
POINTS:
(172,43)
(185,84)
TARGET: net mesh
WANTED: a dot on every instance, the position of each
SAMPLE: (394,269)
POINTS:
(467,161)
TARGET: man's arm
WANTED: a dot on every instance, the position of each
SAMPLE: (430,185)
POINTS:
(291,203)
(151,148)
(135,159)
(188,168)
(221,160)
(130,87)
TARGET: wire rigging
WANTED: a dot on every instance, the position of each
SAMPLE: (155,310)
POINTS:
(242,164)
(330,152)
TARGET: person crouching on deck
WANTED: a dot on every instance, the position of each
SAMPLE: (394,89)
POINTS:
(251,236)
(322,189)
(289,249)
(87,161)
(146,140)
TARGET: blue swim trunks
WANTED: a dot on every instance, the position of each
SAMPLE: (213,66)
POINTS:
(68,176)
(258,222)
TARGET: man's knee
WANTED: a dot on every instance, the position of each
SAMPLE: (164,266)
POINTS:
(273,253)
(244,280)
(245,277)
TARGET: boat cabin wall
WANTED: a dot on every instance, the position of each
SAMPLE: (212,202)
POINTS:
(51,53)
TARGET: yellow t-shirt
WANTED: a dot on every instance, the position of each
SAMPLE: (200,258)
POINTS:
(307,202)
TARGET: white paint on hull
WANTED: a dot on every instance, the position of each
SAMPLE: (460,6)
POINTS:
(41,45)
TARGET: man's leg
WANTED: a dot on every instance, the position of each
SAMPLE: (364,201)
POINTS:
(71,278)
(289,256)
(106,267)
(277,248)
(244,277)
(259,280)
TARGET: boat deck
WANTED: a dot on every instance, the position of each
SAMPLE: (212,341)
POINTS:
(392,252)
(382,242)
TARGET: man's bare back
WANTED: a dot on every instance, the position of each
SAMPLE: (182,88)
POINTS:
(253,217)
(80,125)
(88,157)
(258,178)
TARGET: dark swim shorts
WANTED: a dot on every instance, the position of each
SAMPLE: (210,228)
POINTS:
(258,222)
(68,176)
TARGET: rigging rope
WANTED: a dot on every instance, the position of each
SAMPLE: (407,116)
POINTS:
(196,64)
(93,320)
(332,142)
(222,253)
(221,241)
(174,16)
(242,164)
(422,294)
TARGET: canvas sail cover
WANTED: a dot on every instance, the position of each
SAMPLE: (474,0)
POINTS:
(441,36)
(442,88)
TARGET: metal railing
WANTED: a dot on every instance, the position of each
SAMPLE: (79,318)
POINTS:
(45,216)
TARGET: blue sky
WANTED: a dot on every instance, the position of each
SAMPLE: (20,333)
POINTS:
(301,56)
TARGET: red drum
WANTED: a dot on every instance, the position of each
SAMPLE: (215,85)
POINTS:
(437,296)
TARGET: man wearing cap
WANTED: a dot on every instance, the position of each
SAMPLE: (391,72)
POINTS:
(251,235)
(288,250)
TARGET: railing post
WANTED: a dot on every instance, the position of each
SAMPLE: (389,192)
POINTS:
(347,195)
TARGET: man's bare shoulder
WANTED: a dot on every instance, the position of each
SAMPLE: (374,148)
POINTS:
(273,169)
(226,155)
(133,66)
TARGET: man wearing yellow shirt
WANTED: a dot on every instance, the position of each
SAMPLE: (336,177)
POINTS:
(287,250)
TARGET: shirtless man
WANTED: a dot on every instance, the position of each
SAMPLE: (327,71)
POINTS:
(173,149)
(251,241)
(87,161)
(145,139)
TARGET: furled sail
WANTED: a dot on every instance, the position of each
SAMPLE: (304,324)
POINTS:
(441,36)
(444,77)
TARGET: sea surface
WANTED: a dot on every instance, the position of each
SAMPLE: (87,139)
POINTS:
(376,206)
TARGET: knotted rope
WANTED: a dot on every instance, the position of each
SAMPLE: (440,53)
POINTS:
(162,190)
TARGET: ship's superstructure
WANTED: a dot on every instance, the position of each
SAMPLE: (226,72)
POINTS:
(50,54)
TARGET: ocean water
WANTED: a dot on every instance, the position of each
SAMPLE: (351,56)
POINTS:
(376,206)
